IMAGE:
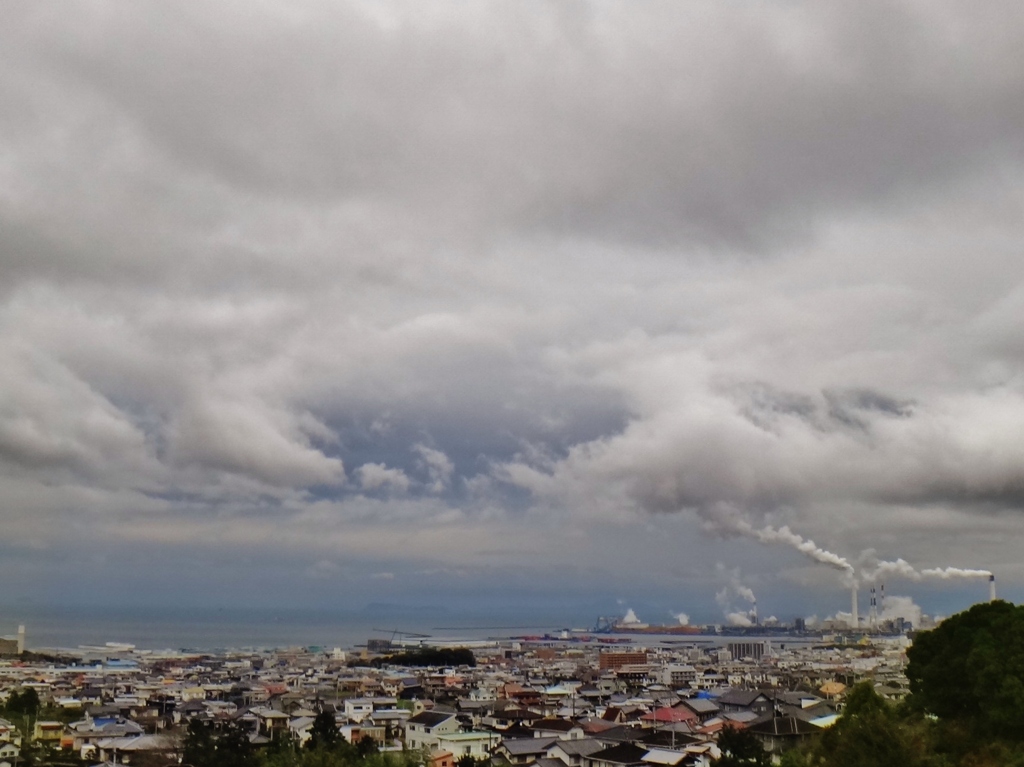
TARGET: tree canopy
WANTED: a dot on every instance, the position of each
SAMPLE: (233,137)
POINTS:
(965,709)
(868,734)
(228,748)
(25,702)
(971,669)
(324,732)
(739,748)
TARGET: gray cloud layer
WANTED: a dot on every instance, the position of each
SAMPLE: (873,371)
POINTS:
(476,283)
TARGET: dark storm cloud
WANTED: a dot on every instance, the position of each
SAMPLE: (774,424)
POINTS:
(370,277)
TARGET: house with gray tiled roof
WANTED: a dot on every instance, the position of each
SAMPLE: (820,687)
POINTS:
(424,729)
(621,755)
(523,750)
(571,753)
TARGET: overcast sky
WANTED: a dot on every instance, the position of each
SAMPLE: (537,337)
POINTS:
(341,302)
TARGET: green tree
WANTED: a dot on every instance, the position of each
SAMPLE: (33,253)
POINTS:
(324,733)
(868,734)
(234,749)
(740,747)
(971,669)
(366,746)
(795,757)
(25,703)
(199,748)
(282,751)
(13,703)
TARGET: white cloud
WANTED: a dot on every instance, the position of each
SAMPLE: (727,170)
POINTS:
(252,439)
(438,466)
(373,476)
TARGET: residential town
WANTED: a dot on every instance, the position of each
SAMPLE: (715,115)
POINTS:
(522,703)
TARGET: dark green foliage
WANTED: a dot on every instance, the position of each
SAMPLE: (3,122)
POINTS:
(795,758)
(23,703)
(198,748)
(740,747)
(234,749)
(966,708)
(366,746)
(229,748)
(281,751)
(427,656)
(324,734)
(863,702)
(327,746)
(345,755)
(971,669)
(868,734)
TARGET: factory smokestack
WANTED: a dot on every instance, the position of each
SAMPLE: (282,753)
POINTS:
(873,613)
(991,588)
(21,639)
(854,618)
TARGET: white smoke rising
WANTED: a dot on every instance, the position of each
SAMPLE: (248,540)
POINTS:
(725,519)
(683,618)
(630,617)
(954,572)
(899,567)
(806,546)
(744,592)
(900,607)
(903,569)
(841,617)
(735,588)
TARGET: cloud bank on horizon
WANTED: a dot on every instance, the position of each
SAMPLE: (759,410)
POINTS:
(459,290)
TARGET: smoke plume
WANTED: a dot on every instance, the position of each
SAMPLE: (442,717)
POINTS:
(735,588)
(954,572)
(784,535)
(901,607)
(739,619)
(899,567)
(902,568)
(744,593)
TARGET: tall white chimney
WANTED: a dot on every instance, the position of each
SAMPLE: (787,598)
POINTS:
(991,588)
(854,618)
(21,639)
